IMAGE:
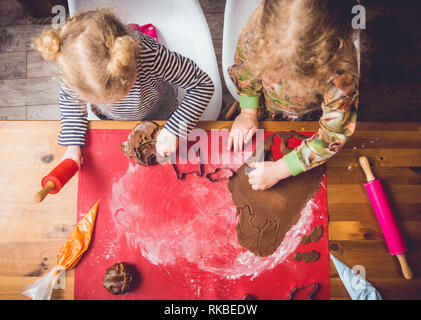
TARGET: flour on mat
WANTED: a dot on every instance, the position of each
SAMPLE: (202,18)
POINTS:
(207,239)
(110,249)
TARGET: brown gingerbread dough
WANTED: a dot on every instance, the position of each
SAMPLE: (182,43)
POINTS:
(266,216)
(119,278)
(141,143)
(310,256)
(314,236)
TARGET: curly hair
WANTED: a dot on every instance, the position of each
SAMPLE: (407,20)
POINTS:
(306,40)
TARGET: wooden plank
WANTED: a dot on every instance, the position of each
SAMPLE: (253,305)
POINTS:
(43,112)
(392,175)
(12,113)
(35,91)
(397,115)
(42,227)
(12,65)
(389,126)
(382,98)
(11,13)
(38,67)
(383,139)
(374,257)
(356,193)
(17,139)
(363,212)
(19,37)
(382,157)
(28,258)
(358,231)
(390,135)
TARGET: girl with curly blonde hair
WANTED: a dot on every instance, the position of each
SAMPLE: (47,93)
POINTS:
(296,60)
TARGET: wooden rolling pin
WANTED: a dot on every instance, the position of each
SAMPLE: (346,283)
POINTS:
(386,218)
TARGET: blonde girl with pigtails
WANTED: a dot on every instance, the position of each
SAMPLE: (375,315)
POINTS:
(126,75)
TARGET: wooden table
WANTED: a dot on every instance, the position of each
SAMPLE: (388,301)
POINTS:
(31,233)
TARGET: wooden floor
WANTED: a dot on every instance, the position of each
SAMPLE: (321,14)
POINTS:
(391,69)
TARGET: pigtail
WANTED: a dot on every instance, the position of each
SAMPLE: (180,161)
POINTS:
(48,44)
(121,56)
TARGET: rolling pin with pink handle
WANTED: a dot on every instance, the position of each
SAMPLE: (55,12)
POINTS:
(386,218)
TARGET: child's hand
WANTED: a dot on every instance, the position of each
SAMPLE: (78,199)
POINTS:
(267,174)
(74,153)
(166,143)
(243,129)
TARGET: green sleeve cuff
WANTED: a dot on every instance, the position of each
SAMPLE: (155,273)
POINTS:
(293,163)
(249,102)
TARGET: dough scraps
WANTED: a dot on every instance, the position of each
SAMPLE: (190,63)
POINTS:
(314,236)
(266,216)
(214,175)
(310,256)
(313,286)
(141,143)
(119,278)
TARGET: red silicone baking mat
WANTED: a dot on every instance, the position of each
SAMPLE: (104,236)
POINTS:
(180,234)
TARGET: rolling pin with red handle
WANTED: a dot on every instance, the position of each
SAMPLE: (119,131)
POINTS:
(57,178)
(386,218)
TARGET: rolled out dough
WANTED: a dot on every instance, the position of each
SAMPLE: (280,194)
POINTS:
(266,216)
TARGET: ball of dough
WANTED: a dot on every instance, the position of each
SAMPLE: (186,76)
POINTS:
(141,143)
(119,278)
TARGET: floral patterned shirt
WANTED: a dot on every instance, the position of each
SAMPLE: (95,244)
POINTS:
(338,102)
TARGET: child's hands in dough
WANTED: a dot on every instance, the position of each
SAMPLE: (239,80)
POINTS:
(166,143)
(243,129)
(74,153)
(267,174)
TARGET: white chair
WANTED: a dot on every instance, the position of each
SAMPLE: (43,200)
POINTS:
(237,13)
(181,27)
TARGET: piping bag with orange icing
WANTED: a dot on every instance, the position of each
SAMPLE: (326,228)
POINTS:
(67,258)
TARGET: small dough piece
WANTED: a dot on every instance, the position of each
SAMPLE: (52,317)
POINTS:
(141,143)
(314,236)
(119,278)
(310,256)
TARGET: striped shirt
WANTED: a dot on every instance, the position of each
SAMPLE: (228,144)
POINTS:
(153,96)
